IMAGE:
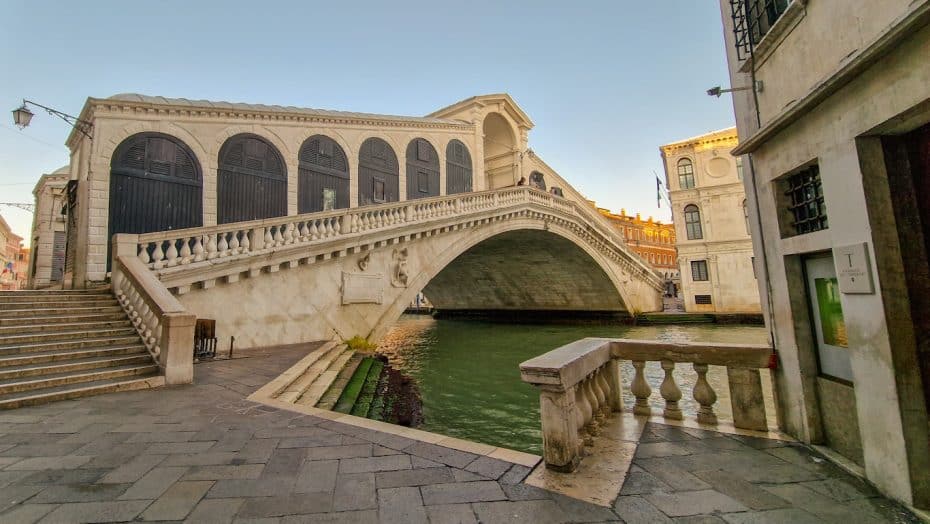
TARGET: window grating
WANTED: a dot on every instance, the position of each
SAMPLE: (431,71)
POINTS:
(752,20)
(702,300)
(806,204)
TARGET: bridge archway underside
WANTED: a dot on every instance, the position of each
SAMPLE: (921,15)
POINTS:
(353,272)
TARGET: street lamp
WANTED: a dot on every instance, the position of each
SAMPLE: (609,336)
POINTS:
(717,90)
(22,116)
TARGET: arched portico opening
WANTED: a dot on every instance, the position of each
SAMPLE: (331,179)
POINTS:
(322,176)
(422,169)
(251,180)
(499,146)
(378,173)
(458,168)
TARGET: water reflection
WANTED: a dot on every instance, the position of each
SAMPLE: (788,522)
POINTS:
(469,377)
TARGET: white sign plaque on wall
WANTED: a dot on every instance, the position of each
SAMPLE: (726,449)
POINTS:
(853,269)
(362,289)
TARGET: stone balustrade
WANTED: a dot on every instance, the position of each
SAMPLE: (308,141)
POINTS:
(170,253)
(580,384)
(166,328)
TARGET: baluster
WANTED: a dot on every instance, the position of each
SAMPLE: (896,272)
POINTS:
(199,252)
(584,414)
(278,236)
(670,391)
(313,232)
(171,256)
(641,390)
(289,233)
(705,396)
(327,227)
(604,382)
(158,255)
(594,424)
(337,225)
(601,393)
(211,246)
(234,243)
(269,239)
(185,253)
(302,231)
(245,244)
(144,254)
(222,247)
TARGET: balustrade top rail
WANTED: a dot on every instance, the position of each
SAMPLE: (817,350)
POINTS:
(184,246)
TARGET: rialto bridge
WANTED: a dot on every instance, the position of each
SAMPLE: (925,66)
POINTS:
(286,224)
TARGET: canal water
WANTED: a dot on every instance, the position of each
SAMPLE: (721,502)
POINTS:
(469,378)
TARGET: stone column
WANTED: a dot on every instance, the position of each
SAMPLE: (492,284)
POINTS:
(560,434)
(746,398)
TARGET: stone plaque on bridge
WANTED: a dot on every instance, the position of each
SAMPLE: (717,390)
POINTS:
(358,288)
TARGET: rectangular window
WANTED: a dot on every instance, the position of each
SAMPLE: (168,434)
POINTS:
(329,199)
(739,168)
(703,300)
(752,20)
(377,190)
(699,271)
(803,193)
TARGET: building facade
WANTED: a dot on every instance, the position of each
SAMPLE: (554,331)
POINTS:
(49,231)
(833,112)
(709,210)
(12,259)
(652,240)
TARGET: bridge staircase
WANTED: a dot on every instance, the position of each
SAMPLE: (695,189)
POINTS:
(57,345)
(312,377)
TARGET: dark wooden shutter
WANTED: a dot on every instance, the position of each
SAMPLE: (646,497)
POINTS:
(377,166)
(422,169)
(538,180)
(251,180)
(458,168)
(323,169)
(155,185)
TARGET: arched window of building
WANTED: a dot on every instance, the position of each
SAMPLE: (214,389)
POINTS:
(378,173)
(693,222)
(155,185)
(458,168)
(322,176)
(746,216)
(685,173)
(422,169)
(251,180)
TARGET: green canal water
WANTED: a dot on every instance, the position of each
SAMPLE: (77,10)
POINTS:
(469,378)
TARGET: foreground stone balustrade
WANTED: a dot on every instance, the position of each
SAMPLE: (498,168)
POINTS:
(579,380)
(166,328)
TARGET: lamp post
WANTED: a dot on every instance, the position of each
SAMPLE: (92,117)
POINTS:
(22,116)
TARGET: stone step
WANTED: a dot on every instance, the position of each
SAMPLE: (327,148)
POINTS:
(11,314)
(62,379)
(56,327)
(66,355)
(83,319)
(324,380)
(12,341)
(104,290)
(314,367)
(72,366)
(37,347)
(329,399)
(85,389)
(44,303)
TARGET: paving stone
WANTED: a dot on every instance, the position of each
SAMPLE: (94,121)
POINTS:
(661,449)
(232,440)
(6,461)
(317,476)
(224,472)
(98,444)
(262,487)
(215,511)
(525,492)
(466,476)
(775,516)
(27,513)
(672,433)
(41,450)
(38,463)
(842,489)
(209,459)
(677,478)
(634,509)
(284,462)
(683,503)
(79,493)
(515,475)
(451,457)
(64,476)
(460,492)
(345,517)
(401,505)
(371,464)
(488,467)
(881,510)
(528,512)
(258,450)
(413,477)
(451,514)
(13,495)
(168,436)
(819,505)
(420,462)
(132,470)
(291,504)
(339,452)
(355,491)
(333,439)
(751,495)
(785,474)
(120,511)
(178,501)
(699,519)
(378,450)
(641,482)
(154,483)
(172,448)
(583,511)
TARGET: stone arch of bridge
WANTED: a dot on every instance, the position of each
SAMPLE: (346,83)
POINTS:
(500,144)
(561,244)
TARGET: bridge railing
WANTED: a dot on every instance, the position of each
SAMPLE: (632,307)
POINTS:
(166,328)
(211,244)
(580,386)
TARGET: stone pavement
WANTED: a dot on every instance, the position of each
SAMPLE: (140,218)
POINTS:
(202,453)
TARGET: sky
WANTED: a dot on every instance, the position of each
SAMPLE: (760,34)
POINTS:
(605,82)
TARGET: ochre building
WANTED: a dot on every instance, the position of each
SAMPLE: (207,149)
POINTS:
(652,240)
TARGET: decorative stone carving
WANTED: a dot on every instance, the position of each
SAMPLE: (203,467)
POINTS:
(399,276)
(362,289)
(364,261)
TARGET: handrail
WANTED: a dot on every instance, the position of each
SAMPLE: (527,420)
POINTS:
(580,386)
